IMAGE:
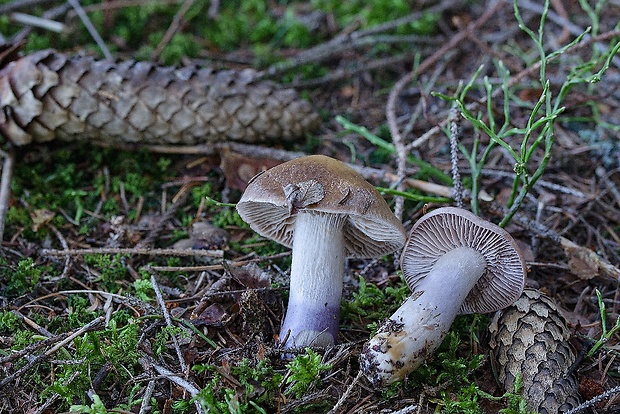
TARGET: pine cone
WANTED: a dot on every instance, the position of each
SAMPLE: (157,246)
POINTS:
(530,339)
(49,95)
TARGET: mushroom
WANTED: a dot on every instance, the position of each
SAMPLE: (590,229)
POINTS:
(325,211)
(454,263)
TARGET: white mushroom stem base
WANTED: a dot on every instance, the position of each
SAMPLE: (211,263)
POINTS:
(317,270)
(417,328)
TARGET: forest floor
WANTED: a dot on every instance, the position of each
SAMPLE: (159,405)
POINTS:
(101,311)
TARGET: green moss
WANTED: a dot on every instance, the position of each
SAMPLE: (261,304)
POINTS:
(113,273)
(373,304)
(20,279)
(116,345)
(9,322)
(79,313)
(377,12)
(304,370)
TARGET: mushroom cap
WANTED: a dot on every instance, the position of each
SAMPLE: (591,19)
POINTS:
(321,185)
(447,228)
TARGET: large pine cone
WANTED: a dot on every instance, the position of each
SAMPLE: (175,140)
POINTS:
(48,95)
(530,339)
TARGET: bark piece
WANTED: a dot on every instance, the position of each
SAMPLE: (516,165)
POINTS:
(49,95)
(530,339)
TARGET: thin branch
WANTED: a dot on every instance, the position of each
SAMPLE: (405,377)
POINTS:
(30,349)
(204,268)
(35,21)
(345,73)
(172,29)
(595,400)
(134,251)
(455,134)
(123,4)
(181,382)
(22,5)
(145,407)
(345,396)
(91,28)
(5,187)
(164,310)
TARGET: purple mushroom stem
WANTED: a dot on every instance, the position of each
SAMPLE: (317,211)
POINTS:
(317,269)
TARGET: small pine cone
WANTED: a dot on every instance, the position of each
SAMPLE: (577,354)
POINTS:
(49,95)
(530,339)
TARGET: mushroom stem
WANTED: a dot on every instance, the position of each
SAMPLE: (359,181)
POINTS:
(417,328)
(317,270)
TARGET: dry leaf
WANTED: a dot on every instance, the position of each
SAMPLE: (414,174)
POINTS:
(41,217)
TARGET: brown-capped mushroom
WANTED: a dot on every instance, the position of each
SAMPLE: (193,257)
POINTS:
(454,262)
(325,211)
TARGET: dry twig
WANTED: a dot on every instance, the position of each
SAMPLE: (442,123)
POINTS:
(164,310)
(133,251)
(172,29)
(5,186)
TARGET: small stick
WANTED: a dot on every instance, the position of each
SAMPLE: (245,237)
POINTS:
(346,394)
(214,7)
(214,267)
(186,385)
(347,41)
(91,28)
(31,348)
(5,187)
(164,310)
(407,410)
(134,251)
(122,4)
(455,134)
(145,407)
(594,400)
(41,330)
(401,153)
(35,21)
(65,246)
(172,29)
(21,5)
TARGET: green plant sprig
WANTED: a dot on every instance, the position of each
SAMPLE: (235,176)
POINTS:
(605,334)
(413,197)
(425,167)
(214,202)
(538,133)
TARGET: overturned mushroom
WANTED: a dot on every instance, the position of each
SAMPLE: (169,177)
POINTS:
(325,211)
(454,262)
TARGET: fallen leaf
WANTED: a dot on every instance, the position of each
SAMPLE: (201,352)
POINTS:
(40,218)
